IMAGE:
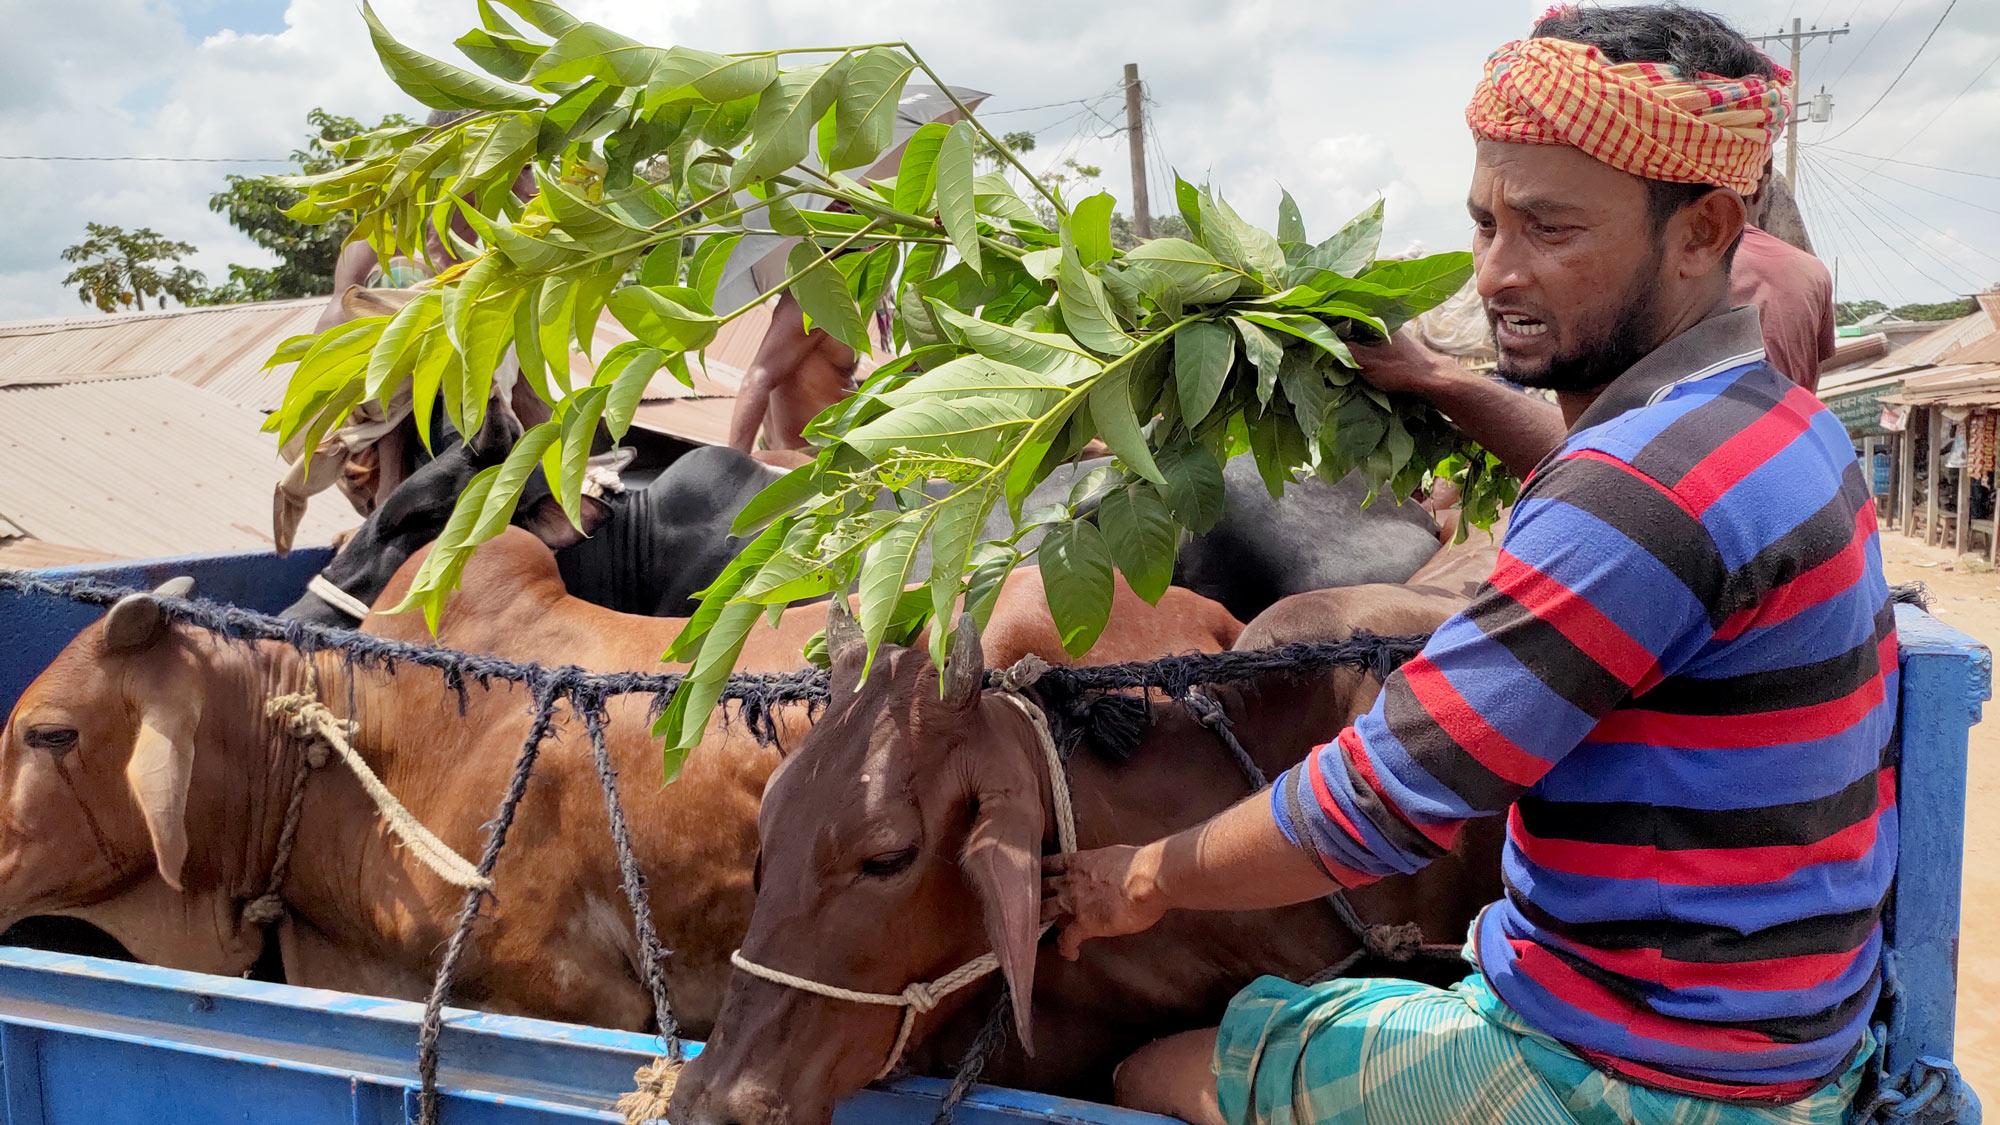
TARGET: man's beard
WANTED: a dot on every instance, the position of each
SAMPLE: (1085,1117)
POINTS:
(1625,340)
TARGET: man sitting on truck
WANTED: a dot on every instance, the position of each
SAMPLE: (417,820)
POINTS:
(1679,684)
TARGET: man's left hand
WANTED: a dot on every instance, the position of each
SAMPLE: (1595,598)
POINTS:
(1104,892)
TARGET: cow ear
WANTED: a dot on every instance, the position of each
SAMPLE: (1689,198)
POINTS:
(1003,861)
(549,524)
(162,765)
(137,620)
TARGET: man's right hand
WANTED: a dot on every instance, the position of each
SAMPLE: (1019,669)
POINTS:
(1404,364)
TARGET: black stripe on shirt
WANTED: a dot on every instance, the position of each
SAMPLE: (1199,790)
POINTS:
(1668,828)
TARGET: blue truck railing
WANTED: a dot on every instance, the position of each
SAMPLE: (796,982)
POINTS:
(85,1041)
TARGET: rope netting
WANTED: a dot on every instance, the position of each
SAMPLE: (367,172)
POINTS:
(1104,705)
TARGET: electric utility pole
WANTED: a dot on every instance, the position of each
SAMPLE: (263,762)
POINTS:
(1135,138)
(1797,38)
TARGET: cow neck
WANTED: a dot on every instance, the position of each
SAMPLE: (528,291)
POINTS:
(610,568)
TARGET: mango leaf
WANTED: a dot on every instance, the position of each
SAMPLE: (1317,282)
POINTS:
(1291,225)
(781,130)
(1203,354)
(1117,422)
(1193,489)
(1357,426)
(1305,328)
(592,51)
(547,18)
(1188,198)
(1271,450)
(1236,243)
(627,370)
(668,317)
(706,264)
(1076,573)
(1028,392)
(504,495)
(865,110)
(662,265)
(395,352)
(1428,281)
(954,534)
(993,195)
(1306,389)
(293,349)
(728,124)
(822,292)
(574,115)
(916,176)
(448,556)
(1142,537)
(1046,352)
(499,54)
(1090,226)
(580,416)
(955,202)
(685,74)
(1085,311)
(434,363)
(721,638)
(437,84)
(884,571)
(557,301)
(1349,251)
(1173,272)
(1266,354)
(966,426)
(778,497)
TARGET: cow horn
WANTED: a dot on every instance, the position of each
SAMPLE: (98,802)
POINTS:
(136,620)
(964,665)
(841,631)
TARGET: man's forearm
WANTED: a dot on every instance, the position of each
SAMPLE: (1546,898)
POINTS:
(753,399)
(1519,429)
(1237,860)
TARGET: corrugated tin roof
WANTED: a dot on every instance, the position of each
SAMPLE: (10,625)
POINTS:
(219,347)
(1918,355)
(143,467)
(1955,384)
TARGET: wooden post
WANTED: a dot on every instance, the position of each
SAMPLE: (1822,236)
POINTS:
(1962,535)
(1931,462)
(1135,145)
(1993,537)
(1906,466)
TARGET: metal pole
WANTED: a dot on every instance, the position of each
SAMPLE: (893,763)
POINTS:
(1135,139)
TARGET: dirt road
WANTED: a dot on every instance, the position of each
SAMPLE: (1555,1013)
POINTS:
(1970,602)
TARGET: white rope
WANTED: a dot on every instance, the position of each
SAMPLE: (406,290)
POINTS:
(309,718)
(923,996)
(323,588)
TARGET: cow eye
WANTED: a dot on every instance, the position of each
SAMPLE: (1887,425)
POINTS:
(56,740)
(888,864)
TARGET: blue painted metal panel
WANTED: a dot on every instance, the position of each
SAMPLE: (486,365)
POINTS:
(1947,676)
(38,628)
(90,1042)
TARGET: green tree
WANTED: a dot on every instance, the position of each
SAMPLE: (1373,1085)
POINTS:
(1854,312)
(256,205)
(120,268)
(1937,310)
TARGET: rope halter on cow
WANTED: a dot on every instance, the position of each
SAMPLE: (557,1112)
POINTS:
(923,996)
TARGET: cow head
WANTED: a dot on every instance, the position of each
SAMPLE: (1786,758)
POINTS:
(416,512)
(902,840)
(101,815)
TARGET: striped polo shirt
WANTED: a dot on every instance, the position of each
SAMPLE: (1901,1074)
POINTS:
(1679,686)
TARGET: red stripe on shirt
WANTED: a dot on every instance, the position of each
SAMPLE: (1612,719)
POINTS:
(1586,995)
(1776,1093)
(1325,796)
(1703,867)
(1777,974)
(1584,625)
(1467,727)
(1817,586)
(1763,728)
(1443,834)
(1747,450)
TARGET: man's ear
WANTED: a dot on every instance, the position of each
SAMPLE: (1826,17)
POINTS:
(159,771)
(1708,227)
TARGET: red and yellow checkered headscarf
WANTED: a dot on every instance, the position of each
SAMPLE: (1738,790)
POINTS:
(1645,118)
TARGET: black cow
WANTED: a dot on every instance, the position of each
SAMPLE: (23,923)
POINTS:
(649,550)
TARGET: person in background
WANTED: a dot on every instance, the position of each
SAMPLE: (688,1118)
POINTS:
(796,374)
(1793,293)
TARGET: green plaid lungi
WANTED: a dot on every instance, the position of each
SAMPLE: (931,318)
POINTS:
(1394,1052)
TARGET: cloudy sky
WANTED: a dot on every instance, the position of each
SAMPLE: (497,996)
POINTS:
(1334,99)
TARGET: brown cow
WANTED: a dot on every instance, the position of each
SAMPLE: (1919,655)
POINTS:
(144,748)
(930,805)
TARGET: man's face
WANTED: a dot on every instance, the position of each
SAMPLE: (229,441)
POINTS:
(1568,265)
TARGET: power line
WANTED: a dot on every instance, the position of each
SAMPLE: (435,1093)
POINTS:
(1892,250)
(1109,90)
(1928,191)
(1835,225)
(1899,74)
(1869,42)
(1918,219)
(1939,115)
(153,159)
(1977,280)
(1911,163)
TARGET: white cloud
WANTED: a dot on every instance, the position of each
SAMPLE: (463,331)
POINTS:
(1336,100)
